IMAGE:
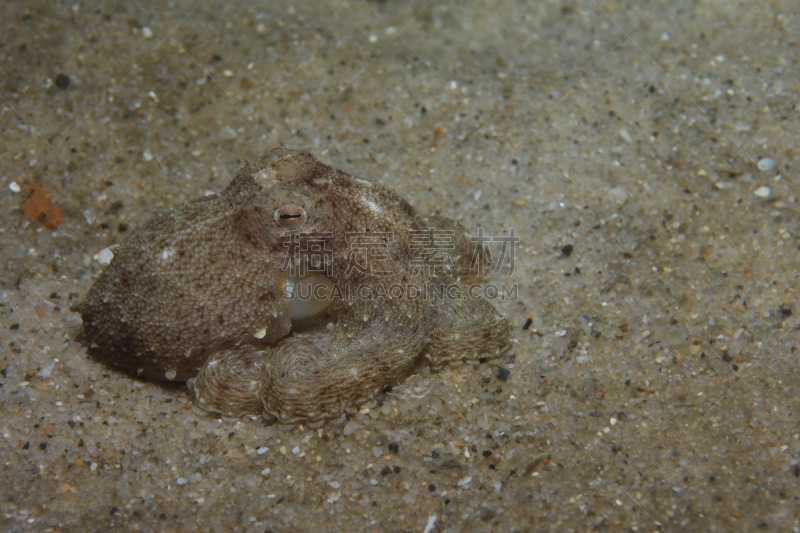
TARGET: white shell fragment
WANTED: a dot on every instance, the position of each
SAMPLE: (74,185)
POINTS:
(763,191)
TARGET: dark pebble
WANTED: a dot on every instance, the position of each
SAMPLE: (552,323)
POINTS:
(14,326)
(487,514)
(431,487)
(487,453)
(527,324)
(394,447)
(62,81)
(502,373)
(42,445)
(566,250)
(735,368)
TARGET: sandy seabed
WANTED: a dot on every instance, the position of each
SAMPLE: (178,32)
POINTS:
(645,154)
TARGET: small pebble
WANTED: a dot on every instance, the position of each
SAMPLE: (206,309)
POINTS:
(527,324)
(14,186)
(181,481)
(262,450)
(625,135)
(763,191)
(105,256)
(147,33)
(766,164)
(47,369)
(567,250)
(502,373)
(226,133)
(464,481)
(62,81)
(394,447)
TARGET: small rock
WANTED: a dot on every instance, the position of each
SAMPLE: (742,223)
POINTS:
(62,81)
(226,133)
(349,428)
(766,164)
(503,373)
(763,191)
(105,256)
(567,250)
(47,369)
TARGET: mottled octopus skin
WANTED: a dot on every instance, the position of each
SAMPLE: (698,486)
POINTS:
(189,294)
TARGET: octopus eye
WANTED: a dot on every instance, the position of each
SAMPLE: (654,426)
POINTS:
(290,216)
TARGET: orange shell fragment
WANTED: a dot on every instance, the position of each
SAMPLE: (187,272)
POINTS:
(39,207)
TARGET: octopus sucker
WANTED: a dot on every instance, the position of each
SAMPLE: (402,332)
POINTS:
(292,294)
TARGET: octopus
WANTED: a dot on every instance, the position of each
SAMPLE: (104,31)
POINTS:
(299,293)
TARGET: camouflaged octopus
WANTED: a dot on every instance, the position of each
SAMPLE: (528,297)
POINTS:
(211,292)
